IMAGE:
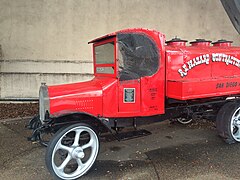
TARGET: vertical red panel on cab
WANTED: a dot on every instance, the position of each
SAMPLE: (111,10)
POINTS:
(129,96)
(153,87)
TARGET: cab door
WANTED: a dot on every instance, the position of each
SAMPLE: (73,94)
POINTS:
(129,96)
(138,59)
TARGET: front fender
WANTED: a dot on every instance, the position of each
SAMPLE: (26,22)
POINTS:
(65,113)
(63,118)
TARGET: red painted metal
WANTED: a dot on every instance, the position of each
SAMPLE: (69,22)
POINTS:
(185,72)
(176,42)
(207,79)
(222,43)
(131,106)
(200,42)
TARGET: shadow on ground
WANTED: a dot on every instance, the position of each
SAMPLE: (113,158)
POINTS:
(171,152)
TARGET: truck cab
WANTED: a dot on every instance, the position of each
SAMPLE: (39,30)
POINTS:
(128,79)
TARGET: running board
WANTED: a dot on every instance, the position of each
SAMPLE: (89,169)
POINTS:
(132,134)
(122,136)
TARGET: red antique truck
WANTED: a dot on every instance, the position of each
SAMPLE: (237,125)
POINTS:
(139,78)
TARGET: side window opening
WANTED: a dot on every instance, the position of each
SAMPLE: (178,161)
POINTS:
(104,55)
(138,56)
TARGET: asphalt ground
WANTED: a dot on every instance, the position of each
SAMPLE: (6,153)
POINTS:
(172,152)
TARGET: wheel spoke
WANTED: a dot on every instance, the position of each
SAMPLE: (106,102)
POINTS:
(237,116)
(63,147)
(80,164)
(89,144)
(237,125)
(77,137)
(64,163)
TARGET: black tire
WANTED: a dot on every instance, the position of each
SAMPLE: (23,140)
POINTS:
(58,140)
(224,121)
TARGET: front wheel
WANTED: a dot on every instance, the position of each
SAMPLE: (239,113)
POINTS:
(72,151)
(228,122)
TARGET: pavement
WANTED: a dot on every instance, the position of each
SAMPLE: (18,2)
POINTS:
(172,152)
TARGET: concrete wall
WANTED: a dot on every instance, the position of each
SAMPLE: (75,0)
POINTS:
(22,78)
(46,40)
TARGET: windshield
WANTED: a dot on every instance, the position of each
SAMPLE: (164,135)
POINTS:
(104,58)
(138,56)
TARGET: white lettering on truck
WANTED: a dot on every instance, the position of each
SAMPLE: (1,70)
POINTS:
(205,59)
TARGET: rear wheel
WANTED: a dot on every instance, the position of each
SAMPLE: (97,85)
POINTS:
(228,122)
(72,151)
(184,120)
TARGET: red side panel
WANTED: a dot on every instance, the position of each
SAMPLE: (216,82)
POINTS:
(77,97)
(77,103)
(202,89)
(129,96)
(201,72)
(225,69)
(153,95)
(110,98)
(179,59)
(153,87)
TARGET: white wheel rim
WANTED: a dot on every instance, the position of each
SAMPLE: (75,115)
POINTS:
(184,120)
(235,125)
(76,152)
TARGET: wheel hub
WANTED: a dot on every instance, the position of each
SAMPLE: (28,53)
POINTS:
(78,153)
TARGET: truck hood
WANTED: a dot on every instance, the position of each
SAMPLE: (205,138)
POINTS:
(91,88)
(84,97)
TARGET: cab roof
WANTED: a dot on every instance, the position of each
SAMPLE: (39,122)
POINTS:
(132,30)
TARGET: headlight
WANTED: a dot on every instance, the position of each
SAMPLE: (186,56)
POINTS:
(43,101)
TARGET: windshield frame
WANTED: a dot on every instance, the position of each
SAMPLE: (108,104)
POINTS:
(109,40)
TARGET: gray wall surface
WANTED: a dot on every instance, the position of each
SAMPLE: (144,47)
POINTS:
(46,40)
